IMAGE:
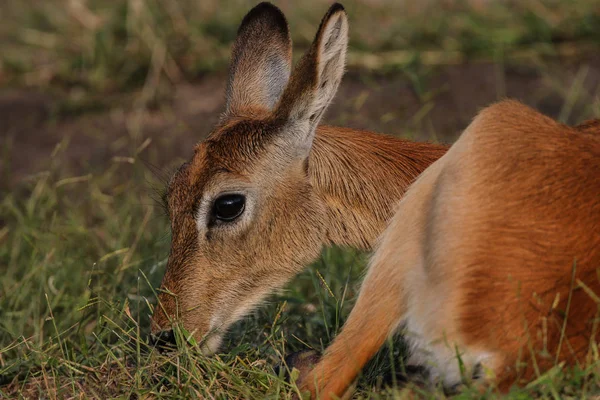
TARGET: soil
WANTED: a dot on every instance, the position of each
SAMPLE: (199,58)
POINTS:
(436,106)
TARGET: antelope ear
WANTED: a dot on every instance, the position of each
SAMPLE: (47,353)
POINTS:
(316,78)
(261,61)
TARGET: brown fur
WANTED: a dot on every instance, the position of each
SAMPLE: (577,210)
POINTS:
(485,256)
(305,187)
(353,183)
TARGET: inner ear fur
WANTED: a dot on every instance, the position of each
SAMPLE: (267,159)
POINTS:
(261,61)
(317,76)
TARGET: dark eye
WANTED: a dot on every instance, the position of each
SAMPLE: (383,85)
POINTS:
(228,207)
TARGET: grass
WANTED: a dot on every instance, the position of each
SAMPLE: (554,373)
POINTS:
(105,47)
(81,250)
(80,259)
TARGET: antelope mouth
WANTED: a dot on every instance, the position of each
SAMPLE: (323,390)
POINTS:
(166,342)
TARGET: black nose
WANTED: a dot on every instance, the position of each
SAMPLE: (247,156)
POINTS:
(163,340)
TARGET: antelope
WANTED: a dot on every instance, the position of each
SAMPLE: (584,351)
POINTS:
(487,262)
(269,187)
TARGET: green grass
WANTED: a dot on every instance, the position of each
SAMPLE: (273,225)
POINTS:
(80,257)
(81,251)
(102,46)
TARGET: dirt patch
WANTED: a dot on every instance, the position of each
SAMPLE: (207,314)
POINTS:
(437,105)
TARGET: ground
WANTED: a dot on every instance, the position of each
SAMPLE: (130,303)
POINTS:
(83,155)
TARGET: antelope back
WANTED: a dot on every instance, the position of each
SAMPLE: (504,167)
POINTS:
(497,246)
(524,190)
(490,263)
(244,217)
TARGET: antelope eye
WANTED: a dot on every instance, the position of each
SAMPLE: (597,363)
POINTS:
(228,207)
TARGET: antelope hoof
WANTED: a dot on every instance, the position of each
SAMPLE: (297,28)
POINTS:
(303,361)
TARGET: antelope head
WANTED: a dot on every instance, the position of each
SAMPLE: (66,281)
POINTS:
(244,216)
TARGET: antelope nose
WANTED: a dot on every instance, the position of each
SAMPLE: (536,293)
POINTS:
(163,340)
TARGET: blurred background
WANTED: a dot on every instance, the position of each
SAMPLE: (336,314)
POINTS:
(110,74)
(100,100)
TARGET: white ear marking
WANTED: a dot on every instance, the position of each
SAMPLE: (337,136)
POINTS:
(331,61)
(315,80)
